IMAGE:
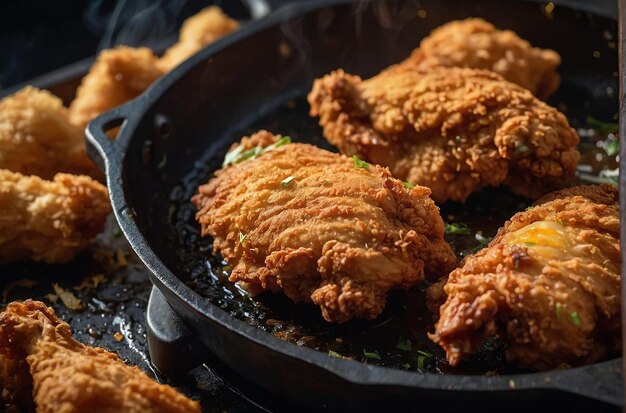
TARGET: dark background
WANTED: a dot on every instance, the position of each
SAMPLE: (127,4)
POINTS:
(38,36)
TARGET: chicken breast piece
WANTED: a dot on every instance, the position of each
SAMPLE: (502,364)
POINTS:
(68,377)
(198,31)
(548,284)
(117,76)
(475,43)
(49,221)
(36,137)
(321,227)
(452,130)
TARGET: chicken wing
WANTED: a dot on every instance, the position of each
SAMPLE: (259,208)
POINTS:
(321,227)
(123,73)
(117,76)
(36,137)
(452,130)
(49,221)
(548,284)
(477,44)
(198,31)
(68,377)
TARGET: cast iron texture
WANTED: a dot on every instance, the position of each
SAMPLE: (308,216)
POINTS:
(201,106)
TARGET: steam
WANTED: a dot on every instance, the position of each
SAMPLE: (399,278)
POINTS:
(132,23)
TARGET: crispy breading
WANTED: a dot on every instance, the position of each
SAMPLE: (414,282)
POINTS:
(49,221)
(452,130)
(69,377)
(316,226)
(548,284)
(477,44)
(198,31)
(36,137)
(118,75)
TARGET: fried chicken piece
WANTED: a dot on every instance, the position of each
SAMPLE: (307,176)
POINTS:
(117,76)
(321,227)
(198,31)
(548,284)
(475,43)
(452,130)
(36,137)
(49,221)
(70,377)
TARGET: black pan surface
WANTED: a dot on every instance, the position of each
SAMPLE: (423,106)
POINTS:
(175,136)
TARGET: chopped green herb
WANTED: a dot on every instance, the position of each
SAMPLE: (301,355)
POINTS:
(457,229)
(420,362)
(530,244)
(611,147)
(325,182)
(359,163)
(117,232)
(409,185)
(406,366)
(404,344)
(560,222)
(371,355)
(575,319)
(335,354)
(559,307)
(239,155)
(530,208)
(287,181)
(242,237)
(163,162)
(423,355)
(603,127)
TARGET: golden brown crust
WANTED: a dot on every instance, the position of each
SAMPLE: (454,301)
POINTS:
(36,137)
(69,377)
(118,75)
(49,221)
(475,43)
(199,30)
(123,73)
(553,301)
(452,130)
(335,234)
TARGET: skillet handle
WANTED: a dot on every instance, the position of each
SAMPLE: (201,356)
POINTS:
(100,147)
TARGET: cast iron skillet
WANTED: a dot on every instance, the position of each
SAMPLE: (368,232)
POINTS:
(224,91)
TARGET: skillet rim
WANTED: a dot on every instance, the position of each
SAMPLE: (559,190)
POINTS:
(112,155)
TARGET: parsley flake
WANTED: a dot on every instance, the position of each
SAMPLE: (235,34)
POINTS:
(409,185)
(371,355)
(238,154)
(575,319)
(286,181)
(335,354)
(423,356)
(611,147)
(602,127)
(242,237)
(559,307)
(457,229)
(359,163)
